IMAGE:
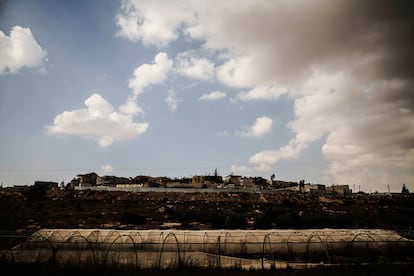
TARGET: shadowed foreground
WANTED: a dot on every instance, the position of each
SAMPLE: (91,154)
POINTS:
(229,250)
(52,269)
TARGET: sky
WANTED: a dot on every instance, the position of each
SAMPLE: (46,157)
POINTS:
(318,90)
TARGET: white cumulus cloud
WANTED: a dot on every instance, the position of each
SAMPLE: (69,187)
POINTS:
(172,100)
(98,121)
(238,72)
(152,22)
(191,66)
(131,106)
(270,92)
(261,127)
(20,49)
(144,76)
(149,74)
(215,95)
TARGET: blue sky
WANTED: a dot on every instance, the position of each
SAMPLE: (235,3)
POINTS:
(178,88)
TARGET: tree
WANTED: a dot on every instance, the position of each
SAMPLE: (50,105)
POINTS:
(37,192)
(404,189)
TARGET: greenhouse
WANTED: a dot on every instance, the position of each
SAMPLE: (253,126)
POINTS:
(245,249)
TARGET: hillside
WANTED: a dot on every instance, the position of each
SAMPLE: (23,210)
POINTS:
(23,213)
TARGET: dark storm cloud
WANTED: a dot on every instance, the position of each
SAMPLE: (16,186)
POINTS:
(290,37)
(391,23)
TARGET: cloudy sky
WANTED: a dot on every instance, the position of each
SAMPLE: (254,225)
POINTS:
(319,90)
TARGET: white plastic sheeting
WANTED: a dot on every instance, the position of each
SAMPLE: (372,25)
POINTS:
(206,248)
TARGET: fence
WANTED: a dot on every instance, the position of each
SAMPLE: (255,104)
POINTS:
(242,249)
(174,190)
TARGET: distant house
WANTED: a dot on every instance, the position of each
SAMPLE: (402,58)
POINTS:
(112,181)
(279,184)
(247,182)
(72,184)
(312,188)
(315,188)
(141,179)
(88,179)
(186,180)
(158,181)
(206,179)
(20,188)
(318,187)
(260,182)
(339,189)
(197,179)
(214,179)
(48,185)
(233,179)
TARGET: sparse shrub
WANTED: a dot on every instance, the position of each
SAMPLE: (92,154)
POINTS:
(265,220)
(203,213)
(132,218)
(235,221)
(217,219)
(349,201)
(386,201)
(36,192)
(79,207)
(289,218)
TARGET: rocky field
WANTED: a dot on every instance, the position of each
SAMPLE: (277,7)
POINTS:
(23,211)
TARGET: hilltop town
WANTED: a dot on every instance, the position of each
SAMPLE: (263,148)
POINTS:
(215,182)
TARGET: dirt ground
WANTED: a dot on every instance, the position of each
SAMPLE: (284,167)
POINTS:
(22,213)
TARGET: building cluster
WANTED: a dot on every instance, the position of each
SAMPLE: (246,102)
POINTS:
(84,181)
(320,188)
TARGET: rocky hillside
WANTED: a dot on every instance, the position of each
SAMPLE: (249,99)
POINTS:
(23,211)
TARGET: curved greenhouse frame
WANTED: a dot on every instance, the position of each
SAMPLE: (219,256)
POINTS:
(248,249)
